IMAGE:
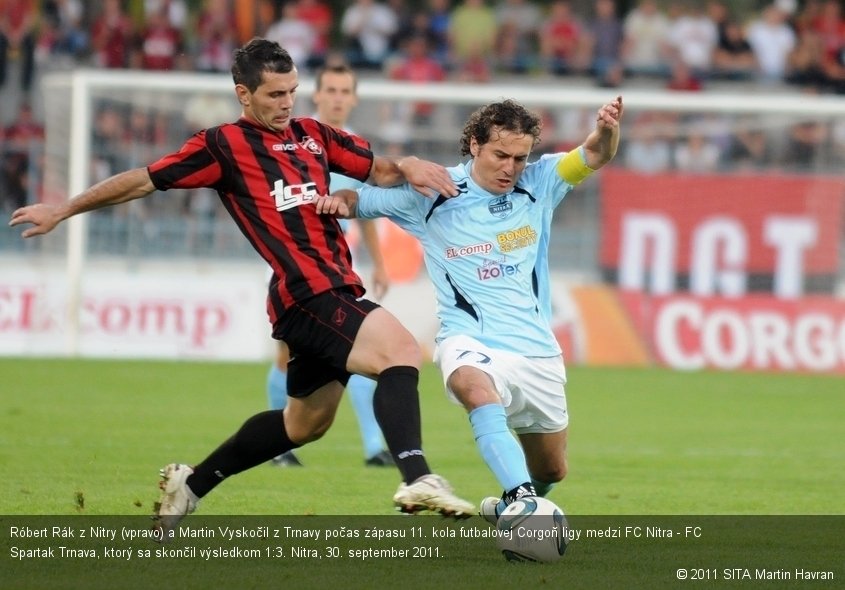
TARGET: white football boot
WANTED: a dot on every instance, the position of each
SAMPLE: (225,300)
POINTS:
(431,492)
(176,500)
(487,510)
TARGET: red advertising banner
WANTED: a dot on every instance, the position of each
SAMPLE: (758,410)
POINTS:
(760,332)
(720,232)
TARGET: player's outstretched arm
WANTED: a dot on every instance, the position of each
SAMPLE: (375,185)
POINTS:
(602,143)
(427,178)
(120,188)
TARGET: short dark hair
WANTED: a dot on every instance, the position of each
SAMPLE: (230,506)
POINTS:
(336,68)
(255,58)
(507,115)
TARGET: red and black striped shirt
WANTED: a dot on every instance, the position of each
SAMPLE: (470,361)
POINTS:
(267,181)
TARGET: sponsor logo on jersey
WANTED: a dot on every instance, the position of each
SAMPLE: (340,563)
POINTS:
(515,239)
(285,147)
(292,195)
(500,206)
(461,251)
(311,145)
(496,269)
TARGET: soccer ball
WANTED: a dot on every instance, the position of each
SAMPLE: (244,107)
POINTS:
(532,529)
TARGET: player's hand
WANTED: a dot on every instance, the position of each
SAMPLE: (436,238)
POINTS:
(381,281)
(332,205)
(43,218)
(428,178)
(610,114)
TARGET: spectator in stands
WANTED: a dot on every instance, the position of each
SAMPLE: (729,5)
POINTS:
(294,34)
(830,27)
(367,27)
(439,16)
(805,146)
(733,58)
(693,37)
(518,25)
(749,148)
(772,40)
(22,148)
(67,17)
(647,150)
(418,67)
(17,38)
(562,40)
(216,38)
(472,32)
(319,17)
(605,40)
(645,33)
(161,45)
(111,36)
(697,152)
(805,63)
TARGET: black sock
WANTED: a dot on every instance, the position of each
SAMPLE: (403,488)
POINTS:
(261,438)
(397,407)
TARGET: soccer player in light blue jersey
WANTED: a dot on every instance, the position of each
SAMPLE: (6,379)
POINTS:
(334,98)
(486,251)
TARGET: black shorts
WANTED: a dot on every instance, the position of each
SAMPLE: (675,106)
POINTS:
(320,332)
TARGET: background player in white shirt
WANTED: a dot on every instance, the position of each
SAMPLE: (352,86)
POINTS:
(334,98)
(486,251)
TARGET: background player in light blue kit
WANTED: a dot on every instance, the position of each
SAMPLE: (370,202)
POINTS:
(486,251)
(334,98)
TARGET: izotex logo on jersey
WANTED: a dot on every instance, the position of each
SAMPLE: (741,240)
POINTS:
(496,269)
(500,206)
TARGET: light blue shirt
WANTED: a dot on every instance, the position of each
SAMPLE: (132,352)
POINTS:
(486,254)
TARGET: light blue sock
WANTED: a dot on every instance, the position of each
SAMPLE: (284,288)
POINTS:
(277,388)
(499,448)
(361,390)
(542,488)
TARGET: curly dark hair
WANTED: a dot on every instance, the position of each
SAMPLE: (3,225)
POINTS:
(255,58)
(507,115)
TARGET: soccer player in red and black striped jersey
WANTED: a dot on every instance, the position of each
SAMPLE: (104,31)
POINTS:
(268,167)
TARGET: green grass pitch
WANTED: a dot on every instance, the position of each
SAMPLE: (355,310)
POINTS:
(83,437)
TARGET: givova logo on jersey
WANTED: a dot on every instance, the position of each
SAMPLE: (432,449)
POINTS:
(292,195)
(496,269)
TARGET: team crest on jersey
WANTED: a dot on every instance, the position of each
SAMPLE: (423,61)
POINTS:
(311,145)
(500,206)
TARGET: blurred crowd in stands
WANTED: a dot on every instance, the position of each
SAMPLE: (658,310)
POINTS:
(680,45)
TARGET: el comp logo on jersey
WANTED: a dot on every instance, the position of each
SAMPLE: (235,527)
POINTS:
(460,251)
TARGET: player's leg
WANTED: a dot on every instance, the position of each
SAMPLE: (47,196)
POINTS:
(277,378)
(546,456)
(469,370)
(277,396)
(361,391)
(259,439)
(385,349)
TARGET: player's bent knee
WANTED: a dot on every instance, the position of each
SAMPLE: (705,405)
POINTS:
(551,473)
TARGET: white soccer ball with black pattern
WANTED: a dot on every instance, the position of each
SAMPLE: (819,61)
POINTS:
(532,529)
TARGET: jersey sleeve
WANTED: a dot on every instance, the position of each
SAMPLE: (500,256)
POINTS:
(544,176)
(401,204)
(193,166)
(348,154)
